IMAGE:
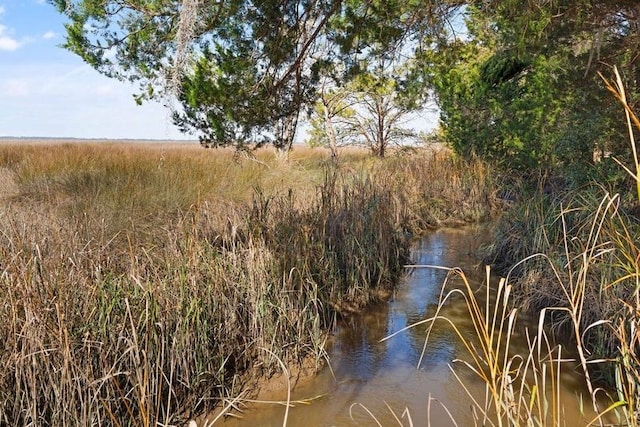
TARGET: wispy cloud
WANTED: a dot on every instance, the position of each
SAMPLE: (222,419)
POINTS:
(6,41)
(50,35)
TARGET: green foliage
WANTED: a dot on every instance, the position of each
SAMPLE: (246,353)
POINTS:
(500,105)
(242,70)
(210,99)
(521,87)
(253,78)
(127,41)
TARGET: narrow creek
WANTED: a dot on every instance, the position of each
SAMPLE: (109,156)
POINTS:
(373,382)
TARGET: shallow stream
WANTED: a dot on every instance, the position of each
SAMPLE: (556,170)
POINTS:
(373,382)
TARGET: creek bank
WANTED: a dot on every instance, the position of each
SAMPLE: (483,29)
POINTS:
(355,354)
(370,380)
(576,256)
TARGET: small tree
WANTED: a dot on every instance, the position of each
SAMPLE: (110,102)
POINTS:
(325,119)
(368,111)
(376,116)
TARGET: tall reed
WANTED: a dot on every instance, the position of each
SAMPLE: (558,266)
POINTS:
(441,189)
(520,389)
(587,283)
(144,284)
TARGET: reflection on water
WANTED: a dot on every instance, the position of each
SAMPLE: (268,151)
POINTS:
(383,377)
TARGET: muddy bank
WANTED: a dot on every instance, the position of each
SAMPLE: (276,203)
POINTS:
(369,381)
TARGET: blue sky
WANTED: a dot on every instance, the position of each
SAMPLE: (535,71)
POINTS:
(46,91)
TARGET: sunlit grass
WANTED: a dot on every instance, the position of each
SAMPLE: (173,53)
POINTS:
(571,258)
(144,284)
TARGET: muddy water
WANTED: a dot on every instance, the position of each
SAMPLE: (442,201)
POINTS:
(372,382)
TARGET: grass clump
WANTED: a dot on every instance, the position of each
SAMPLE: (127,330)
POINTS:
(144,284)
(440,189)
(577,263)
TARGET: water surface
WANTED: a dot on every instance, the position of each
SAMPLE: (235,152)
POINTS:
(373,381)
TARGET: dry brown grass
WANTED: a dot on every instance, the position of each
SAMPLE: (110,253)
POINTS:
(577,263)
(142,283)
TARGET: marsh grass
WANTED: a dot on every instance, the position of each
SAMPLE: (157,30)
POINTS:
(586,283)
(444,190)
(583,279)
(145,284)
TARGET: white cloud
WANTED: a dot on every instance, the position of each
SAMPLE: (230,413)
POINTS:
(7,42)
(58,100)
(50,35)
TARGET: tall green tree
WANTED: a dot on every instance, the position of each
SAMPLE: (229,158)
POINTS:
(242,70)
(522,85)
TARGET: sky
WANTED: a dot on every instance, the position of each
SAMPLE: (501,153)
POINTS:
(47,91)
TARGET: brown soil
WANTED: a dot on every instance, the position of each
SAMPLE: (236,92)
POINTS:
(264,389)
(276,387)
(347,309)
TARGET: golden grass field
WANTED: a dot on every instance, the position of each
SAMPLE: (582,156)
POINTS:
(145,282)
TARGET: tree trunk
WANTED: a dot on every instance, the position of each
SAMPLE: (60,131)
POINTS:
(380,136)
(331,133)
(285,135)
